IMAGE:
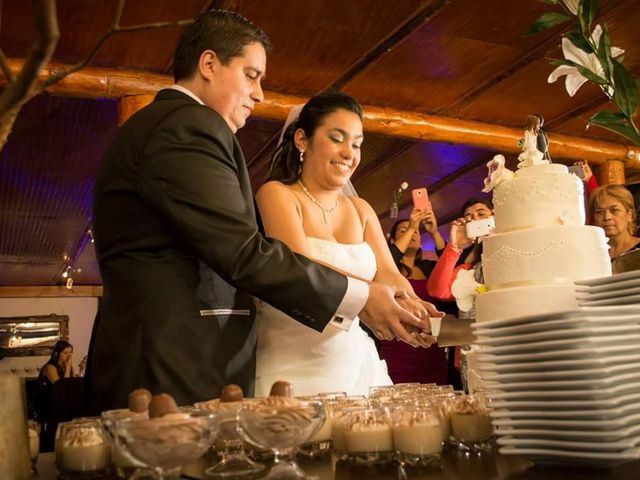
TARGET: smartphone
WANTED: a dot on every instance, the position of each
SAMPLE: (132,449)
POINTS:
(480,228)
(420,199)
(578,170)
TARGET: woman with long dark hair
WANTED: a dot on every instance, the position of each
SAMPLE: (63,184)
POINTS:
(60,364)
(408,364)
(302,205)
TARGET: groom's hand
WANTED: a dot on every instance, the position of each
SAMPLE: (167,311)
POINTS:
(425,311)
(384,315)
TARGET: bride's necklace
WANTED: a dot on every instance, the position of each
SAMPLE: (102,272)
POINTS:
(325,211)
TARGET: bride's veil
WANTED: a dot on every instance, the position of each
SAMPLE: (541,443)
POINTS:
(348,190)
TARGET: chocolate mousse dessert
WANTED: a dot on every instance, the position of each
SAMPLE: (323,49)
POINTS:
(139,400)
(169,437)
(417,436)
(368,436)
(470,422)
(81,448)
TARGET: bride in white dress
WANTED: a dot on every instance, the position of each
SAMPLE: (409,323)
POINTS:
(302,205)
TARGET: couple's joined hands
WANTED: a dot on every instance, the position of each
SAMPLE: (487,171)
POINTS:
(391,313)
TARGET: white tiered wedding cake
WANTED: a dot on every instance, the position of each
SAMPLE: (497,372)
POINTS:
(541,244)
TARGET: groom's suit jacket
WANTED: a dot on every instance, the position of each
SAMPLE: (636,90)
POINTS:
(180,256)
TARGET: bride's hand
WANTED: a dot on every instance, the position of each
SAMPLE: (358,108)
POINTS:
(386,318)
(423,310)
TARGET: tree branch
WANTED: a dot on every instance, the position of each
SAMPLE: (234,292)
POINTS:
(8,74)
(47,35)
(115,28)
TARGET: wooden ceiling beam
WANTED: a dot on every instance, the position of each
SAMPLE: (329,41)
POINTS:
(114,83)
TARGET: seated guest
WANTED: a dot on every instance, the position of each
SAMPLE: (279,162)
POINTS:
(60,365)
(613,209)
(407,364)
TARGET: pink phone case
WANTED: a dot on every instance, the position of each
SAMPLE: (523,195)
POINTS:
(421,199)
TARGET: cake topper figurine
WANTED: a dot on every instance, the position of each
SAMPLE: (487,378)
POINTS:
(535,123)
(536,145)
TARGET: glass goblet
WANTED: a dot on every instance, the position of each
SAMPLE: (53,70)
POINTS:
(81,448)
(34,443)
(471,428)
(282,425)
(124,465)
(166,443)
(234,462)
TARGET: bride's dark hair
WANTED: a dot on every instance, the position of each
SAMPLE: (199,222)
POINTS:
(285,165)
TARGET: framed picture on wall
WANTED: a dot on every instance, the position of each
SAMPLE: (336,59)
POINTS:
(34,335)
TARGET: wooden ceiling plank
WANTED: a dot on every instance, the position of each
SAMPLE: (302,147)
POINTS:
(402,31)
(384,46)
(535,54)
(110,83)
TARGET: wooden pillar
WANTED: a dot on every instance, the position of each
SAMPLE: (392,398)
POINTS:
(611,172)
(130,104)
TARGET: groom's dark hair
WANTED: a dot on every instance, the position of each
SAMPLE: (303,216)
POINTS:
(285,166)
(226,33)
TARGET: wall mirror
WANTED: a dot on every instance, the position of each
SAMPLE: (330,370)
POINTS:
(34,335)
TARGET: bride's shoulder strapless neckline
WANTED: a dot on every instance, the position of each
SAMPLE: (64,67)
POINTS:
(355,258)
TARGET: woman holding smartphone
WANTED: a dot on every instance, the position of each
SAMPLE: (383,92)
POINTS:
(408,364)
(461,253)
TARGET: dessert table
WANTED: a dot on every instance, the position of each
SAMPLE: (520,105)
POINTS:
(455,466)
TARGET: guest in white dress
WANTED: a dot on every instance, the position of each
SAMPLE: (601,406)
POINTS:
(302,205)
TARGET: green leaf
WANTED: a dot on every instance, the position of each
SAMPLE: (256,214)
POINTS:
(604,52)
(605,117)
(626,89)
(586,13)
(623,130)
(546,21)
(579,41)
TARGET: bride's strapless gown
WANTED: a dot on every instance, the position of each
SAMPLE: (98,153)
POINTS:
(334,360)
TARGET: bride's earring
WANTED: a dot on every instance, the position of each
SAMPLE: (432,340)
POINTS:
(301,156)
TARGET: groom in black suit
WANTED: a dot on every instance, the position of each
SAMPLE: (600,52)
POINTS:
(178,245)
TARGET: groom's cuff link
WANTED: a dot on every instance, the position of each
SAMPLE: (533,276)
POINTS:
(352,303)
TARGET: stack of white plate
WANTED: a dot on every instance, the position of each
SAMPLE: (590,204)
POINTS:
(621,289)
(566,387)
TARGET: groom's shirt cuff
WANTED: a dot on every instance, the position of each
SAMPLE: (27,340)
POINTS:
(352,303)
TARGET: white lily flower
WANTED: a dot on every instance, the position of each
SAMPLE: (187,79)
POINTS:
(572,5)
(589,61)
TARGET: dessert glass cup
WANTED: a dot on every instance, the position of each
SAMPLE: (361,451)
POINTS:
(281,425)
(319,445)
(471,428)
(166,443)
(417,436)
(123,464)
(234,461)
(368,436)
(33,429)
(81,449)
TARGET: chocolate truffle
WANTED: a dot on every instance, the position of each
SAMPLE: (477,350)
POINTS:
(162,405)
(281,389)
(231,393)
(139,400)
